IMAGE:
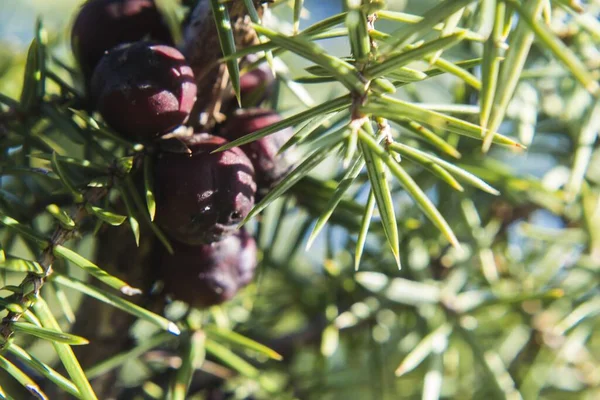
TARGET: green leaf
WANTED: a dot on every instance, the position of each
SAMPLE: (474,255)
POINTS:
(105,215)
(62,123)
(438,70)
(94,270)
(133,222)
(414,19)
(431,18)
(43,369)
(472,300)
(330,340)
(395,109)
(344,72)
(34,81)
(468,177)
(71,160)
(48,334)
(491,68)
(430,137)
(356,22)
(499,380)
(296,90)
(96,128)
(227,42)
(61,216)
(588,135)
(22,378)
(394,61)
(63,301)
(325,108)
(106,365)
(149,187)
(169,11)
(20,265)
(425,347)
(307,129)
(124,164)
(513,64)
(411,187)
(118,302)
(400,290)
(583,311)
(449,28)
(344,184)
(64,351)
(436,170)
(58,169)
(298,173)
(298,4)
(24,231)
(240,340)
(405,75)
(383,197)
(17,308)
(458,71)
(364,229)
(231,359)
(192,358)
(382,85)
(267,46)
(254,17)
(129,189)
(560,50)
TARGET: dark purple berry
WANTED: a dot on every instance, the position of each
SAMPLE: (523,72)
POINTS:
(202,197)
(143,90)
(104,24)
(209,274)
(269,166)
(256,85)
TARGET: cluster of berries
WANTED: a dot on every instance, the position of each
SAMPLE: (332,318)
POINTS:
(143,89)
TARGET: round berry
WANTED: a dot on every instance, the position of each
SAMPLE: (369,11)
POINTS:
(256,85)
(103,24)
(269,166)
(143,90)
(202,197)
(209,274)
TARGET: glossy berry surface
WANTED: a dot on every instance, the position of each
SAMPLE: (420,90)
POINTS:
(209,274)
(143,90)
(202,197)
(103,24)
(270,168)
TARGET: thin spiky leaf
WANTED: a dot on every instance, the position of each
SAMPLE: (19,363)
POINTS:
(468,177)
(64,351)
(227,43)
(325,108)
(383,196)
(411,187)
(43,369)
(94,270)
(364,229)
(118,302)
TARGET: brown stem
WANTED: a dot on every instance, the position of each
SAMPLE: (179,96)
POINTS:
(33,282)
